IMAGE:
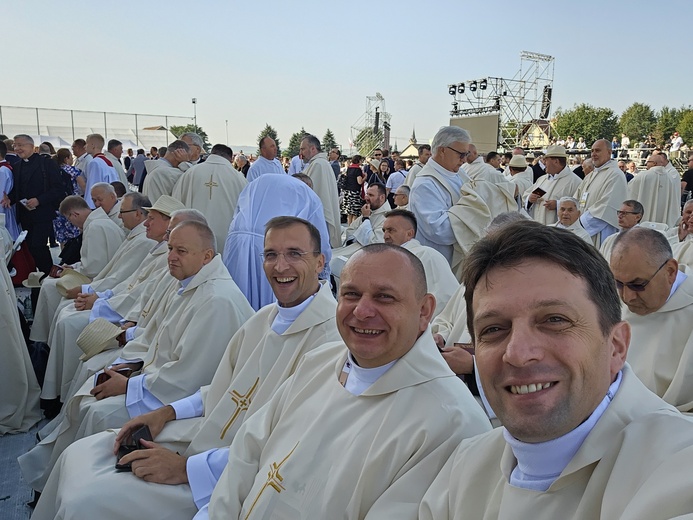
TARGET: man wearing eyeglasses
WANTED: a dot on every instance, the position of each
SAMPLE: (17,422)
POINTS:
(437,188)
(629,215)
(659,301)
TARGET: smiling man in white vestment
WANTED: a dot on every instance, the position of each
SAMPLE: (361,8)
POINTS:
(259,358)
(658,301)
(582,437)
(199,320)
(569,218)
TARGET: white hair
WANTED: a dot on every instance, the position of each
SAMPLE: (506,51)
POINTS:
(190,214)
(569,199)
(448,135)
(104,186)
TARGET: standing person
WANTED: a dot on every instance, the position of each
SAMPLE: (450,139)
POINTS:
(334,162)
(6,183)
(36,193)
(81,162)
(100,169)
(424,156)
(64,229)
(267,162)
(137,167)
(395,180)
(353,180)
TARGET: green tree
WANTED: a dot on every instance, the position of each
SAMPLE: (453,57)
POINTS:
(667,122)
(685,127)
(179,130)
(587,121)
(328,141)
(271,132)
(637,120)
(294,143)
(366,141)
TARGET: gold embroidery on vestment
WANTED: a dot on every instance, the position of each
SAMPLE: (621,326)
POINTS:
(242,403)
(274,480)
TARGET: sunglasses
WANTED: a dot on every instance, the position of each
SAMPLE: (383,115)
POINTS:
(639,287)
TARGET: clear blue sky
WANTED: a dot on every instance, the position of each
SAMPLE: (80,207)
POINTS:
(312,63)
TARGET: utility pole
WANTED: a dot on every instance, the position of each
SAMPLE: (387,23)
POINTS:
(194,102)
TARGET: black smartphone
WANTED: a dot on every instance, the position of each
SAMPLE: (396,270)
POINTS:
(133,443)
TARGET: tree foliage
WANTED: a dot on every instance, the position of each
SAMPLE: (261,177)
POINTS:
(366,141)
(667,122)
(269,131)
(587,121)
(685,127)
(637,121)
(328,141)
(179,130)
(294,143)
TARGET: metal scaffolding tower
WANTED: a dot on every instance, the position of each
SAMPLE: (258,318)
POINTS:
(372,129)
(518,101)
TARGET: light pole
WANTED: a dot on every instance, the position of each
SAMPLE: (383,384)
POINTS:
(227,132)
(194,102)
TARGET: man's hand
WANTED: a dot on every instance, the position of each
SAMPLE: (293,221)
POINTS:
(550,204)
(366,210)
(533,197)
(116,385)
(181,155)
(439,341)
(683,230)
(155,420)
(32,203)
(157,464)
(64,267)
(5,203)
(73,293)
(85,302)
(459,360)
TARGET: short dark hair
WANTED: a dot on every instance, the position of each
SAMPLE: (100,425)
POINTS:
(72,203)
(262,141)
(139,201)
(313,141)
(176,145)
(223,151)
(520,241)
(636,205)
(113,143)
(382,190)
(3,149)
(140,151)
(424,147)
(491,155)
(119,188)
(356,159)
(400,163)
(404,214)
(286,221)
(79,142)
(508,155)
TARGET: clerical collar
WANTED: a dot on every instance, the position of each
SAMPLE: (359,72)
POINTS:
(540,464)
(287,315)
(358,379)
(184,284)
(680,278)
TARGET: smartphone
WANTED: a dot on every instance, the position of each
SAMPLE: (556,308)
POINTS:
(133,443)
(103,376)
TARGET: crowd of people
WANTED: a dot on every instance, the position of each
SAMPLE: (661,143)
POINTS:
(472,335)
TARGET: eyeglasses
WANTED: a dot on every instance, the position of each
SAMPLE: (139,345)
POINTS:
(622,213)
(462,155)
(291,257)
(639,287)
(121,212)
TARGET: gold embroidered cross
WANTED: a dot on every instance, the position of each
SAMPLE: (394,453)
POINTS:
(274,480)
(211,184)
(242,403)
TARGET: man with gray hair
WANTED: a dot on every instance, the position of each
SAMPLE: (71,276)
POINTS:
(569,218)
(196,145)
(658,304)
(600,194)
(437,188)
(100,169)
(113,153)
(104,196)
(402,197)
(163,173)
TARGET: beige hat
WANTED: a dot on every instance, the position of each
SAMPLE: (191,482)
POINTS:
(98,336)
(375,163)
(166,205)
(518,161)
(34,280)
(555,150)
(69,280)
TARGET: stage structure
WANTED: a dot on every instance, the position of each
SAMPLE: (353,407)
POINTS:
(517,102)
(372,129)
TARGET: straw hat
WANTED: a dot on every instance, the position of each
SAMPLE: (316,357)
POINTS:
(166,205)
(555,150)
(375,163)
(69,280)
(34,280)
(98,336)
(518,161)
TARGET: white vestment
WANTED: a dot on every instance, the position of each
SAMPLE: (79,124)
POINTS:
(441,282)
(325,186)
(98,170)
(413,172)
(659,194)
(577,229)
(257,361)
(386,457)
(261,200)
(19,389)
(563,184)
(160,179)
(262,166)
(212,187)
(101,238)
(118,168)
(661,347)
(634,464)
(191,338)
(451,323)
(64,354)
